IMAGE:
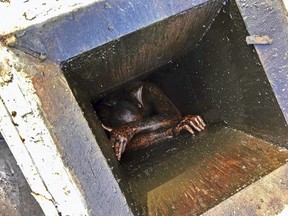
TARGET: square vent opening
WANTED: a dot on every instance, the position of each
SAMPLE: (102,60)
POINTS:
(221,79)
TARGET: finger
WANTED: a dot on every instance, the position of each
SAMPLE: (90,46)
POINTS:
(198,123)
(120,151)
(123,148)
(201,120)
(189,129)
(118,156)
(194,126)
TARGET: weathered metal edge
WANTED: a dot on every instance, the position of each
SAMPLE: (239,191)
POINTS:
(54,145)
(24,128)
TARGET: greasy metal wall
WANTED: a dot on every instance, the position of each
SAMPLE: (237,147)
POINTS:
(223,79)
(114,63)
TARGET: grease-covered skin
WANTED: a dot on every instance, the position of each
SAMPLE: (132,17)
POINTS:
(141,115)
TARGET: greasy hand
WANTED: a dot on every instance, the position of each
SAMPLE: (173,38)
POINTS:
(190,123)
(120,137)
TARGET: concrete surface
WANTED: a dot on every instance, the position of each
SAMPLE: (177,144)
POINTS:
(30,12)
(15,194)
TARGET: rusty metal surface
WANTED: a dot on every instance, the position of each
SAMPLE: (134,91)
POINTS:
(188,176)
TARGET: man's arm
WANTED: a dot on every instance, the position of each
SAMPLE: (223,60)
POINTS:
(167,117)
(121,136)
